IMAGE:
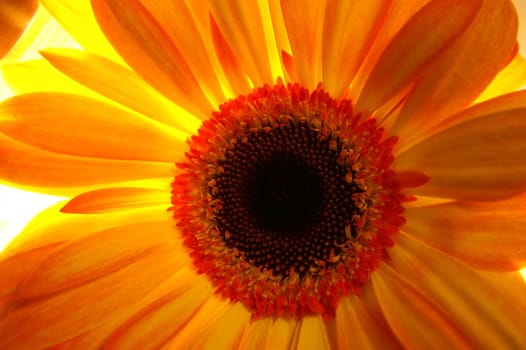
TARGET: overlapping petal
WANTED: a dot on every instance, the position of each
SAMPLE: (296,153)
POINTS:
(489,236)
(14,16)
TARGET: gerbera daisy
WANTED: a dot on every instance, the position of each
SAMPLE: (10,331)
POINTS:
(280,175)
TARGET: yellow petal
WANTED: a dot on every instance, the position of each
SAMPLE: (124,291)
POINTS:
(312,334)
(511,78)
(78,19)
(119,198)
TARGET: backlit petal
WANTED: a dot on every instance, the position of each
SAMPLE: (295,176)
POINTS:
(350,28)
(485,235)
(97,255)
(119,198)
(433,28)
(456,77)
(305,31)
(14,16)
(155,324)
(479,159)
(480,306)
(241,24)
(78,19)
(511,78)
(148,49)
(49,321)
(416,322)
(120,84)
(80,126)
(44,171)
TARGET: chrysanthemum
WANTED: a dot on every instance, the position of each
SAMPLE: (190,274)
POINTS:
(270,175)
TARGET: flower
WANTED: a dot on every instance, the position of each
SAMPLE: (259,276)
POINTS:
(327,174)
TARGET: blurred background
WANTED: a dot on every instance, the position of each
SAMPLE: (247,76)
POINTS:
(18,207)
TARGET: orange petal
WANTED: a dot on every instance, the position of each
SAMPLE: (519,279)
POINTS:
(312,334)
(481,306)
(350,28)
(15,269)
(96,255)
(119,198)
(462,71)
(432,29)
(415,321)
(51,226)
(241,24)
(148,49)
(305,31)
(43,170)
(217,324)
(80,126)
(120,84)
(49,321)
(161,320)
(480,159)
(237,78)
(361,317)
(178,21)
(78,19)
(14,17)
(485,235)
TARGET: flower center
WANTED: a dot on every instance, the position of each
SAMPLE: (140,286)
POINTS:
(286,201)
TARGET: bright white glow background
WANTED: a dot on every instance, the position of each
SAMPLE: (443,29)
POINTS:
(18,207)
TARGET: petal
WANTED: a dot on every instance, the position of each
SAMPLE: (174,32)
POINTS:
(312,334)
(51,172)
(434,27)
(237,78)
(241,24)
(179,22)
(508,80)
(462,71)
(79,126)
(148,49)
(15,268)
(14,17)
(217,324)
(488,236)
(350,28)
(480,159)
(361,317)
(78,19)
(161,320)
(120,84)
(415,321)
(48,321)
(94,256)
(119,198)
(305,31)
(481,306)
(51,226)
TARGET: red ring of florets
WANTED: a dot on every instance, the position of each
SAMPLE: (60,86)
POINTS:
(368,156)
